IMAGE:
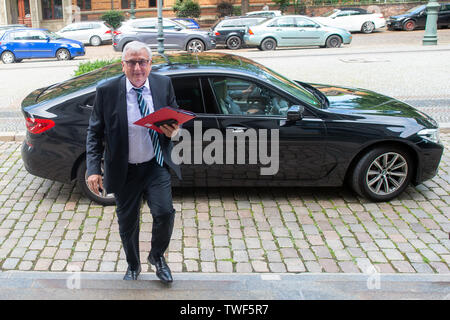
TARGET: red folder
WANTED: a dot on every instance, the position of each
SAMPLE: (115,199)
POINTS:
(166,113)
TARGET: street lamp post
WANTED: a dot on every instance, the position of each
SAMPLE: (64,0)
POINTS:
(132,10)
(430,36)
(160,29)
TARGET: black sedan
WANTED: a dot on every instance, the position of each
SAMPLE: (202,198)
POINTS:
(416,18)
(314,135)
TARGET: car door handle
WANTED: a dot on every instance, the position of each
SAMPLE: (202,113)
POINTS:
(279,30)
(86,106)
(301,30)
(236,129)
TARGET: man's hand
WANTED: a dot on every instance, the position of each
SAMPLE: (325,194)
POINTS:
(170,130)
(95,182)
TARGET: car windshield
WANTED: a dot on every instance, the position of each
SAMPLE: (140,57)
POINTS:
(52,35)
(329,13)
(416,9)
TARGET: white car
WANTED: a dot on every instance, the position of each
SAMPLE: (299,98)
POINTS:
(265,13)
(353,19)
(88,32)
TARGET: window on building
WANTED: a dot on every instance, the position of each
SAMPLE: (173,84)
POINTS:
(125,4)
(152,3)
(84,4)
(52,9)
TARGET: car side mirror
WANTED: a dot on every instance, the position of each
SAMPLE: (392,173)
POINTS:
(295,113)
(47,38)
(177,28)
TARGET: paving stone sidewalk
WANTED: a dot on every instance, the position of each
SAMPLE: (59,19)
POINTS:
(49,226)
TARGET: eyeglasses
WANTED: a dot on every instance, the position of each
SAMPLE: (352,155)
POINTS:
(132,63)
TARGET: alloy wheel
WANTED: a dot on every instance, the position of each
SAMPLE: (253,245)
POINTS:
(387,173)
(368,27)
(195,46)
(8,57)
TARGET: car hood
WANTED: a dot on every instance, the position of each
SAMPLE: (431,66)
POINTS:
(400,16)
(66,41)
(370,105)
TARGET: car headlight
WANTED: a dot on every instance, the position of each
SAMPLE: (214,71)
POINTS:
(430,134)
(74,45)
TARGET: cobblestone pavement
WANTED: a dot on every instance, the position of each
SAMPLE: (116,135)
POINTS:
(49,226)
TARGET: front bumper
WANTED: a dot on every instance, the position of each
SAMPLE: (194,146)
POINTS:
(430,157)
(394,24)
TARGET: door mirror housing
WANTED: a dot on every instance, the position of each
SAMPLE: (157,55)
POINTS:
(295,113)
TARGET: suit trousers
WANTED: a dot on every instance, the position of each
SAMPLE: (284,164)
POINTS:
(153,183)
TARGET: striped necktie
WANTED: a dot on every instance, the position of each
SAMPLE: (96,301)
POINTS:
(143,107)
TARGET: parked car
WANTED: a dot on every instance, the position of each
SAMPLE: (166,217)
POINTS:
(326,135)
(416,18)
(187,22)
(230,31)
(265,13)
(176,36)
(94,33)
(292,31)
(29,43)
(353,19)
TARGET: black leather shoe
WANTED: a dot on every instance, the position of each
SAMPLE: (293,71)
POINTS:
(132,274)
(162,269)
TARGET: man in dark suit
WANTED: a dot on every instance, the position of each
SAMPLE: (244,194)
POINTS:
(136,159)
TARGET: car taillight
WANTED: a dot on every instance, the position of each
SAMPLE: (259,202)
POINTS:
(217,33)
(250,31)
(116,32)
(108,31)
(36,126)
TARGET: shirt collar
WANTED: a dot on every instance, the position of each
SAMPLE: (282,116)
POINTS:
(130,86)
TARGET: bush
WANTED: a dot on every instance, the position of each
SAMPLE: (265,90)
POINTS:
(89,66)
(186,9)
(113,18)
(225,8)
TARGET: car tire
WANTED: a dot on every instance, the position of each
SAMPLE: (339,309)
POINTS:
(268,44)
(333,41)
(63,54)
(409,25)
(18,60)
(234,42)
(95,41)
(383,173)
(8,57)
(367,27)
(195,45)
(104,199)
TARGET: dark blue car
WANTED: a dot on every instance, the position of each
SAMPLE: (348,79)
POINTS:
(29,43)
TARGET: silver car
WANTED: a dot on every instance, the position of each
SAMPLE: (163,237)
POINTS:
(89,32)
(176,36)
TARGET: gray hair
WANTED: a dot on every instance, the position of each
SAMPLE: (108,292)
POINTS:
(134,46)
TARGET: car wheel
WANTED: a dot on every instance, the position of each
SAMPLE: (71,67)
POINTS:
(333,42)
(368,27)
(104,199)
(409,25)
(63,54)
(383,173)
(234,42)
(268,44)
(195,45)
(8,57)
(95,41)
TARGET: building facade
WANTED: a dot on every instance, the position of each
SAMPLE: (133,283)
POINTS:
(55,14)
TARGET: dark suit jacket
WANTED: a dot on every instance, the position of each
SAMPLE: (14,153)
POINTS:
(107,133)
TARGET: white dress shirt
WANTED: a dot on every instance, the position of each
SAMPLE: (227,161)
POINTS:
(140,147)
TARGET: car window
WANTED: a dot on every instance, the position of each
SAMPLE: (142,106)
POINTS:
(144,24)
(285,22)
(238,96)
(20,35)
(169,25)
(36,35)
(232,23)
(85,26)
(188,93)
(304,23)
(96,25)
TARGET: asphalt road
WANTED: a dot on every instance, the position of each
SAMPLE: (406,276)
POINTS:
(392,63)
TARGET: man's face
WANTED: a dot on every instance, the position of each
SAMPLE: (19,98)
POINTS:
(137,66)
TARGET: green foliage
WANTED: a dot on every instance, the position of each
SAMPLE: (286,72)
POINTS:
(186,9)
(224,9)
(113,18)
(86,67)
(237,11)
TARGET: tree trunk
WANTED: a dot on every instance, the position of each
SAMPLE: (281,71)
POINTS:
(244,6)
